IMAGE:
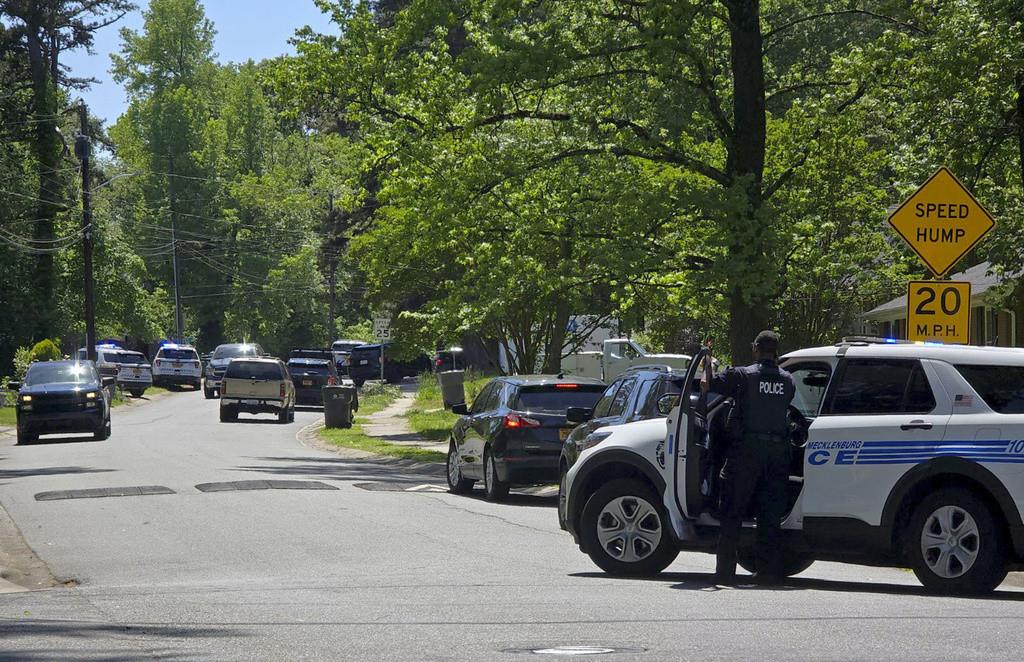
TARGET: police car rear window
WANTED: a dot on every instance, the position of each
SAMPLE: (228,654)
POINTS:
(179,354)
(132,359)
(1000,386)
(253,370)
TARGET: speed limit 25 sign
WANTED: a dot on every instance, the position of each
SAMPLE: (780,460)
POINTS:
(939,310)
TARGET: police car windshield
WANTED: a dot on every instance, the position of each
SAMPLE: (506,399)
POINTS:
(60,373)
(342,346)
(234,351)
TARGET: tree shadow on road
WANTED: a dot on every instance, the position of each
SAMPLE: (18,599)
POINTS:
(64,639)
(704,581)
(347,469)
(48,471)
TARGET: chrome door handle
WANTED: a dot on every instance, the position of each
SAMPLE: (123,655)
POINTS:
(916,425)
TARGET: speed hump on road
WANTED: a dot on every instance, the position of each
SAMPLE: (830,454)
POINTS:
(939,311)
(941,221)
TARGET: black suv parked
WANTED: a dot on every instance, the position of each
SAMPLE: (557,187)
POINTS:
(310,374)
(62,396)
(636,395)
(513,432)
(364,365)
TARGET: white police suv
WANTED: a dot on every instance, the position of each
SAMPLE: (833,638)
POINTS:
(914,458)
(175,365)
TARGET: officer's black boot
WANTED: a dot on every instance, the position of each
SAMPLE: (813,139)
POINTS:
(725,563)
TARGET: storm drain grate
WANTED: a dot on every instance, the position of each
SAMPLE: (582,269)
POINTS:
(238,485)
(99,492)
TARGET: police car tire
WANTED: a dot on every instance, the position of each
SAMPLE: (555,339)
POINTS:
(103,433)
(228,415)
(989,568)
(662,556)
(26,437)
(137,392)
(792,564)
(208,393)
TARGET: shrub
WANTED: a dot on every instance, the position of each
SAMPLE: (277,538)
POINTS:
(46,350)
(22,359)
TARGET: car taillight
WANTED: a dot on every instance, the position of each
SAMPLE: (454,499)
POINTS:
(223,388)
(515,421)
(282,390)
(332,381)
(567,385)
(439,363)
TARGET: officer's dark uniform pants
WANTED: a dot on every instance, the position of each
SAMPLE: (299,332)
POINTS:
(756,470)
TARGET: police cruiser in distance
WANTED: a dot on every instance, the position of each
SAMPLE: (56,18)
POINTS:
(914,458)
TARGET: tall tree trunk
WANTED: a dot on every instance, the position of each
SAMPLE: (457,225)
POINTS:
(556,339)
(1020,122)
(747,310)
(47,149)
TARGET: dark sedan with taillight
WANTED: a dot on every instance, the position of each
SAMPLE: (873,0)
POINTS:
(62,396)
(310,375)
(513,432)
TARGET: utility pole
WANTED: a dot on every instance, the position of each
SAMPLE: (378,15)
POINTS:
(83,148)
(174,251)
(332,268)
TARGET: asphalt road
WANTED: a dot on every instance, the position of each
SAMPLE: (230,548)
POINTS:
(388,574)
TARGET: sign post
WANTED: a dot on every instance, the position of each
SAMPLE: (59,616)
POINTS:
(941,222)
(382,334)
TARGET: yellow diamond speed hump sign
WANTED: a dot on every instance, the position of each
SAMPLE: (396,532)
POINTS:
(941,221)
(939,311)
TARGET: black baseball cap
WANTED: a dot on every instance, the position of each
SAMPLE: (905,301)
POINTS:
(767,341)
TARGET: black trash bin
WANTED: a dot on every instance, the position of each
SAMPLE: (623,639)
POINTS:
(340,406)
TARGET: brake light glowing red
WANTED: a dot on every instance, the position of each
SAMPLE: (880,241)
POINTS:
(516,421)
(567,385)
(332,381)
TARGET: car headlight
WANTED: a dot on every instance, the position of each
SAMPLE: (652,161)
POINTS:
(593,439)
(91,395)
(26,398)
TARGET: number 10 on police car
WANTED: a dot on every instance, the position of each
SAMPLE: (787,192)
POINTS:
(939,311)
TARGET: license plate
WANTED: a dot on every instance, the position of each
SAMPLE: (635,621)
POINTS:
(136,372)
(177,365)
(250,402)
(307,382)
(563,433)
(364,362)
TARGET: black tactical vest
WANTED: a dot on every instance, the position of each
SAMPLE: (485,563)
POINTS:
(765,406)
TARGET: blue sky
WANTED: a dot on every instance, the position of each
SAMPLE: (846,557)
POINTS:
(246,29)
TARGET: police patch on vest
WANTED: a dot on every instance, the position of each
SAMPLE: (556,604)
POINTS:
(772,388)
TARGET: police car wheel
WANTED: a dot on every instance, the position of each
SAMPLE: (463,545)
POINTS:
(624,529)
(792,563)
(208,393)
(228,415)
(563,498)
(457,484)
(954,543)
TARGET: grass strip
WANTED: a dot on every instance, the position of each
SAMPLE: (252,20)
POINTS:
(354,437)
(428,416)
(8,417)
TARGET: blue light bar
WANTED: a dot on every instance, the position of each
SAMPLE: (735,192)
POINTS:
(891,341)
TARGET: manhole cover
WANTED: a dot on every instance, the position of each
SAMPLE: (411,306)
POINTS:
(574,651)
(99,492)
(236,485)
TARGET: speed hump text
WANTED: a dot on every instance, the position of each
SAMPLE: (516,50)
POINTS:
(939,311)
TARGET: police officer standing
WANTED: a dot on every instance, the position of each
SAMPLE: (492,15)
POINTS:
(757,462)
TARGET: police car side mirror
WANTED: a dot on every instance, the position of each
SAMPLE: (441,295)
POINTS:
(816,380)
(14,386)
(460,409)
(667,403)
(108,381)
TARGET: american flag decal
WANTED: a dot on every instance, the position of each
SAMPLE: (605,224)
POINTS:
(963,400)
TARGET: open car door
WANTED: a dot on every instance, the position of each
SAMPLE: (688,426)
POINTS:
(688,441)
